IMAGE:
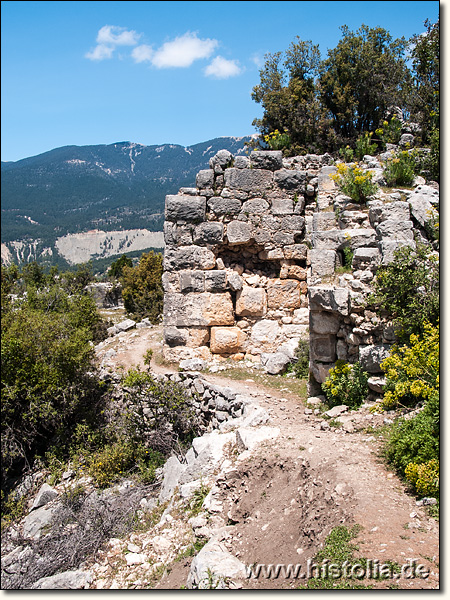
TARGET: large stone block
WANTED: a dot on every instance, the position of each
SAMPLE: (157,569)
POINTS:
(239,232)
(224,206)
(249,180)
(396,211)
(208,233)
(185,208)
(196,336)
(331,299)
(324,221)
(266,159)
(323,348)
(325,183)
(366,258)
(358,238)
(288,179)
(198,310)
(400,231)
(264,332)
(323,262)
(320,371)
(192,281)
(251,302)
(294,224)
(283,293)
(215,281)
(255,206)
(388,248)
(296,252)
(282,206)
(188,257)
(324,322)
(227,340)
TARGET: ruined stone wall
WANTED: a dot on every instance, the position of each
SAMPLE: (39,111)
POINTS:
(254,261)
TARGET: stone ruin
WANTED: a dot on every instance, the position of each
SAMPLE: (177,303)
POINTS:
(254,255)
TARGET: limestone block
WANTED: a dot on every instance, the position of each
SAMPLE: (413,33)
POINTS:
(185,208)
(326,240)
(266,159)
(241,162)
(248,438)
(397,230)
(227,340)
(283,293)
(293,272)
(283,238)
(294,224)
(276,254)
(358,238)
(215,281)
(261,235)
(235,282)
(192,281)
(249,180)
(196,336)
(295,331)
(422,210)
(331,299)
(320,371)
(214,566)
(222,159)
(174,336)
(324,221)
(45,495)
(323,262)
(177,235)
(172,471)
(296,252)
(325,183)
(323,348)
(324,322)
(224,206)
(291,179)
(198,309)
(255,206)
(366,258)
(301,316)
(276,363)
(251,302)
(265,331)
(239,232)
(372,356)
(396,211)
(208,233)
(427,192)
(205,179)
(388,248)
(67,580)
(188,257)
(171,282)
(282,206)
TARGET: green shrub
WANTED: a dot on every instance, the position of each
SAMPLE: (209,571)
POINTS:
(401,168)
(365,146)
(346,384)
(278,141)
(301,365)
(346,154)
(424,477)
(391,131)
(355,182)
(413,371)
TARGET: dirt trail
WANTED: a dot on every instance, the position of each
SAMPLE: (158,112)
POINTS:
(346,465)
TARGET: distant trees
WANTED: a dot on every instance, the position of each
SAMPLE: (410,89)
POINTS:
(321,105)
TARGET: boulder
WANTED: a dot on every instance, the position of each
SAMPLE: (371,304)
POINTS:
(214,567)
(336,411)
(69,580)
(37,520)
(172,472)
(283,294)
(192,364)
(227,340)
(222,159)
(276,363)
(208,233)
(290,179)
(174,337)
(45,495)
(125,325)
(372,356)
(205,179)
(249,438)
(329,298)
(239,232)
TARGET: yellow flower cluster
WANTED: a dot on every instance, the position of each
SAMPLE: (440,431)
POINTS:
(424,477)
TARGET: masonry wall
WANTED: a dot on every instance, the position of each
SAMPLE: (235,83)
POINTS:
(254,256)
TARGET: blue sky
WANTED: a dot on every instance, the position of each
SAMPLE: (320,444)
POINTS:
(157,72)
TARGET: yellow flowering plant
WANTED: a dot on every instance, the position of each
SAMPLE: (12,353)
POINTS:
(346,384)
(400,168)
(390,131)
(278,141)
(355,182)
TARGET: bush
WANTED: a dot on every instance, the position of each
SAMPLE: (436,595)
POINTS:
(413,371)
(401,168)
(346,384)
(278,141)
(346,154)
(142,291)
(301,365)
(355,182)
(391,131)
(424,477)
(365,146)
(408,290)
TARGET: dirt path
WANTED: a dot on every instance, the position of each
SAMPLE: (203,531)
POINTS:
(347,468)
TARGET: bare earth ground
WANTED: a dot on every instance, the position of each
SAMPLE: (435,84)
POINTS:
(285,499)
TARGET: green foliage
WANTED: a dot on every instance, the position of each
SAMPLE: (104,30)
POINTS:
(361,77)
(365,146)
(401,168)
(346,384)
(116,269)
(390,131)
(424,477)
(408,290)
(412,370)
(300,366)
(198,497)
(142,290)
(278,141)
(346,154)
(355,182)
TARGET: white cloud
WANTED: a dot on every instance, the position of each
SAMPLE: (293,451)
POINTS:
(142,53)
(258,60)
(183,51)
(100,52)
(221,68)
(117,36)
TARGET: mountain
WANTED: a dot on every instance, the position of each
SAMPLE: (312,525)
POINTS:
(111,188)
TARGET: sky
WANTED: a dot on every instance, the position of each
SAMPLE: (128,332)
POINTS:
(86,73)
